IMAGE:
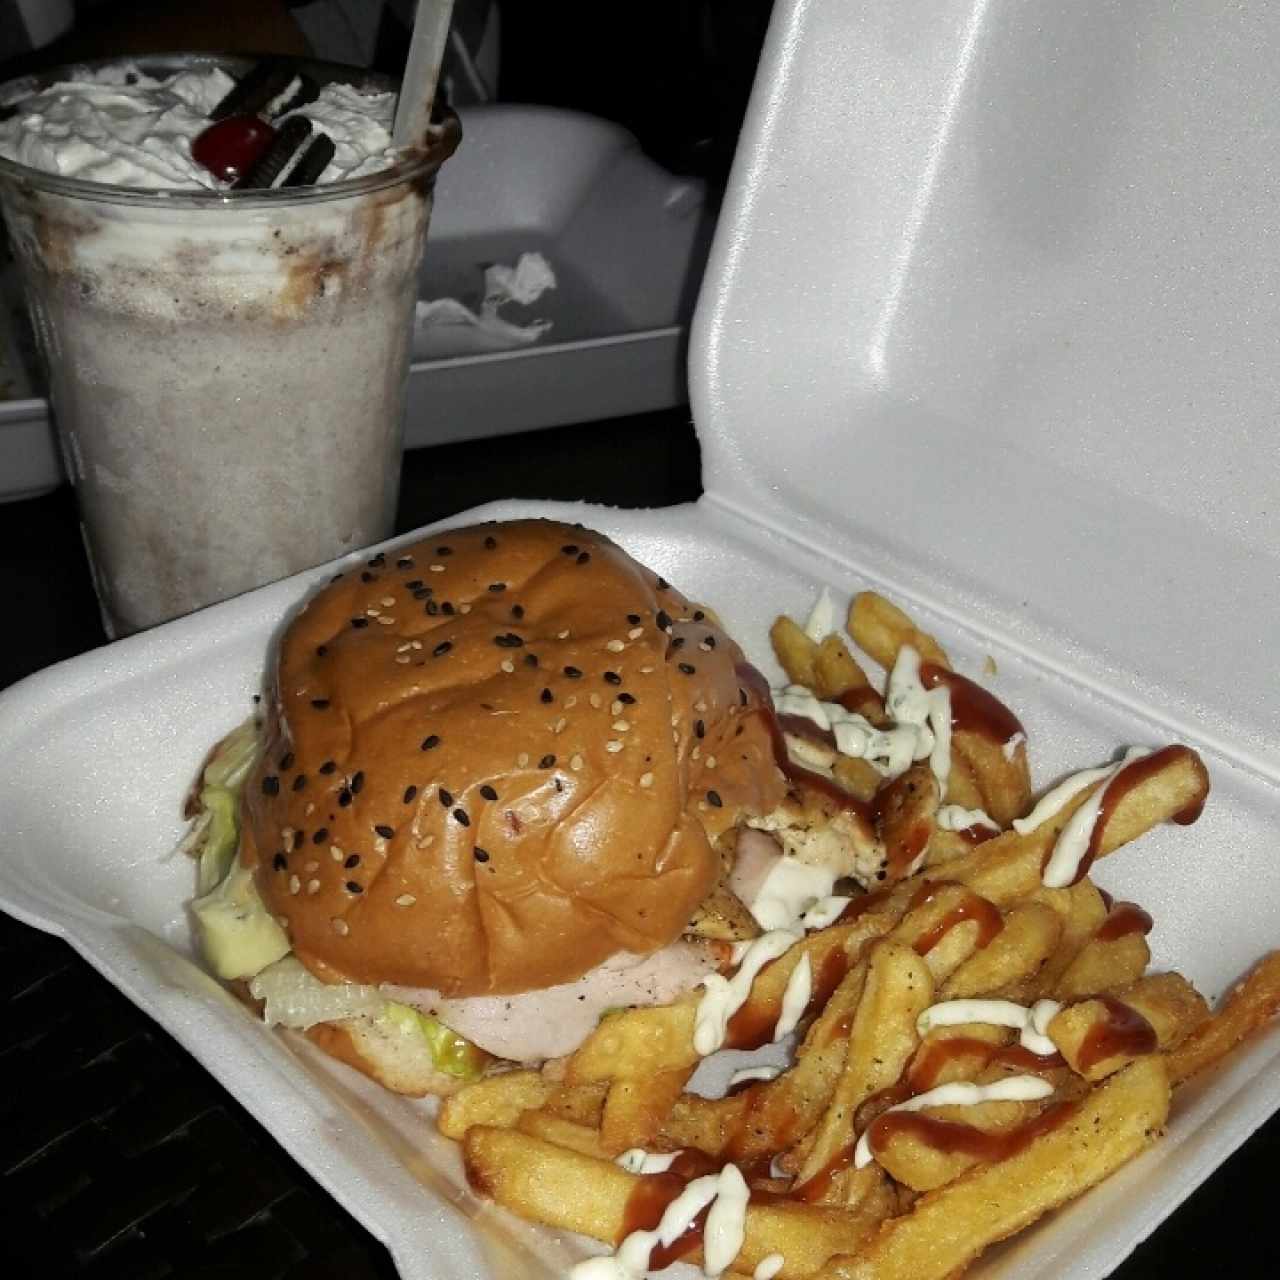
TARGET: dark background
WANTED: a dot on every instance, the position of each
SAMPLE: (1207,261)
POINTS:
(119,1156)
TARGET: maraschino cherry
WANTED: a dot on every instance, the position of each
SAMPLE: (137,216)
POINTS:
(230,148)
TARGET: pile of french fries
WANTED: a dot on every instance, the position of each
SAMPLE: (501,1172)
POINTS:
(975,921)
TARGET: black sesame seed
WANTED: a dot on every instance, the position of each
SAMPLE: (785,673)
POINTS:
(271,785)
(320,703)
(699,729)
(321,650)
(344,797)
(413,584)
(280,862)
(422,593)
(627,698)
(286,762)
(698,615)
(352,887)
(482,855)
(359,623)
(357,781)
(405,562)
(517,611)
(446,798)
(298,838)
(546,695)
(352,861)
(490,542)
(663,585)
(677,643)
(430,741)
(366,576)
(663,620)
(432,608)
(444,551)
(300,782)
(612,677)
(378,561)
(713,799)
(461,816)
(530,659)
(497,587)
(409,794)
(687,667)
(570,550)
(328,767)
(634,619)
(709,641)
(385,831)
(573,673)
(447,609)
(583,557)
(488,792)
(547,762)
(320,836)
(509,640)
(442,648)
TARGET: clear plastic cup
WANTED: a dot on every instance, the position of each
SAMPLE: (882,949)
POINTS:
(227,371)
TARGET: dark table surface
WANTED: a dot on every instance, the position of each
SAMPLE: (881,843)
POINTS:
(121,1156)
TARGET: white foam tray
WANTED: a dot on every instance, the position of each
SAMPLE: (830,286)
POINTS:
(984,327)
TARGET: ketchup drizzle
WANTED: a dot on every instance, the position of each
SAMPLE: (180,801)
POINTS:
(1121,1031)
(973,708)
(970,907)
(1123,919)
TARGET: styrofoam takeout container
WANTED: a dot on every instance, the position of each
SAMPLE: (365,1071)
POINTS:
(986,327)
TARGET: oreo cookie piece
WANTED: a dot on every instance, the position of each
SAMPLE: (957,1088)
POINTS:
(289,137)
(250,95)
(315,160)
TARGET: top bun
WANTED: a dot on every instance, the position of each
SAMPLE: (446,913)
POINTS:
(497,757)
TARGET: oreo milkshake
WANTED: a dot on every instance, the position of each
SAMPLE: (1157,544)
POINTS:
(221,264)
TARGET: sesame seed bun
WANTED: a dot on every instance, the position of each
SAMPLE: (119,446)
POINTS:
(496,758)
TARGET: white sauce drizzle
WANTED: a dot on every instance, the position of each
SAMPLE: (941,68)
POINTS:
(768,1266)
(638,1160)
(747,1074)
(955,817)
(788,891)
(822,617)
(961,1094)
(1073,840)
(727,1194)
(1010,748)
(723,997)
(1031,1024)
(795,999)
(824,912)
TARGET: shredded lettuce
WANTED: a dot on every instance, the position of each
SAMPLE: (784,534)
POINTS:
(453,1054)
(220,788)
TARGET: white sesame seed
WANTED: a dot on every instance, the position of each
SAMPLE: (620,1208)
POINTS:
(595,700)
(575,763)
(646,780)
(437,568)
(335,853)
(424,842)
(404,648)
(675,721)
(613,745)
(508,666)
(570,702)
(522,760)
(635,633)
(559,725)
(405,900)
(373,613)
(464,608)
(700,705)
(711,762)
(616,708)
(294,884)
(386,622)
(403,659)
(282,921)
(310,865)
(309,810)
(696,752)
(313,886)
(286,834)
(379,845)
(388,600)
(615,646)
(646,671)
(705,647)
(621,726)
(415,644)
(340,927)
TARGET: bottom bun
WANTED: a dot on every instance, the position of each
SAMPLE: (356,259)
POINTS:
(397,1062)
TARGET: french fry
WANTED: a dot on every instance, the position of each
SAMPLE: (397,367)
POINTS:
(636,1108)
(947,923)
(564,1133)
(494,1100)
(1010,964)
(882,1037)
(638,1041)
(580,1103)
(568,1191)
(1251,1004)
(1002,782)
(947,1229)
(880,629)
(858,777)
(795,651)
(1083,911)
(1100,1036)
(722,916)
(838,677)
(1104,965)
(906,818)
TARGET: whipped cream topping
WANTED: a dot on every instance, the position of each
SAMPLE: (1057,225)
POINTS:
(119,125)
